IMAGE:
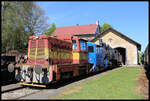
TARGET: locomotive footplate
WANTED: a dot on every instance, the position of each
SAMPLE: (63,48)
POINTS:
(32,84)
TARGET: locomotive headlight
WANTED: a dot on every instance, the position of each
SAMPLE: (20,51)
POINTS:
(46,57)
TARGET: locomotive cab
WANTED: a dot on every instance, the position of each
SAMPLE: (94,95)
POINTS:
(79,49)
(95,56)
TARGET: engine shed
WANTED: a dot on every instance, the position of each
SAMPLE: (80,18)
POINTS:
(127,47)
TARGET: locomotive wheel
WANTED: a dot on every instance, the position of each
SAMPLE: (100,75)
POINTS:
(11,67)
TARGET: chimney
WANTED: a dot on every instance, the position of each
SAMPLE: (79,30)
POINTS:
(97,22)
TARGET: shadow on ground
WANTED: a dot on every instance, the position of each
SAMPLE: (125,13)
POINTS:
(147,71)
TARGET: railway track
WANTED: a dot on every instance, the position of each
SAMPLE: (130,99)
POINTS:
(17,92)
(11,87)
(34,92)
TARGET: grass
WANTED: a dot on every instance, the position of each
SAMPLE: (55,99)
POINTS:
(118,84)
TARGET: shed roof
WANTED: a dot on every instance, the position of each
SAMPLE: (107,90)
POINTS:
(112,29)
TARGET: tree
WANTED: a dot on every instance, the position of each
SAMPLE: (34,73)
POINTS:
(19,21)
(104,27)
(8,26)
(51,29)
(34,18)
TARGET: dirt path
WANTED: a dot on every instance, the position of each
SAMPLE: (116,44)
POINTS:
(143,87)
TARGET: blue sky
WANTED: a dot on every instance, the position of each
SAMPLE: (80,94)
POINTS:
(129,18)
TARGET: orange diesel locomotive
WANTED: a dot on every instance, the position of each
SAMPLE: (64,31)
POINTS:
(50,59)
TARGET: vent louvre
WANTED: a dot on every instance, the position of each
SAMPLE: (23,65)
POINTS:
(40,49)
(32,49)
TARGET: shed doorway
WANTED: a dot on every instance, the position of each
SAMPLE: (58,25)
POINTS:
(122,52)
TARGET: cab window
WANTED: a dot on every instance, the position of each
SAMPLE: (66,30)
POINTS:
(90,49)
(74,45)
(83,45)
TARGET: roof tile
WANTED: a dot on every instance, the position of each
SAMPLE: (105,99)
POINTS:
(75,30)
